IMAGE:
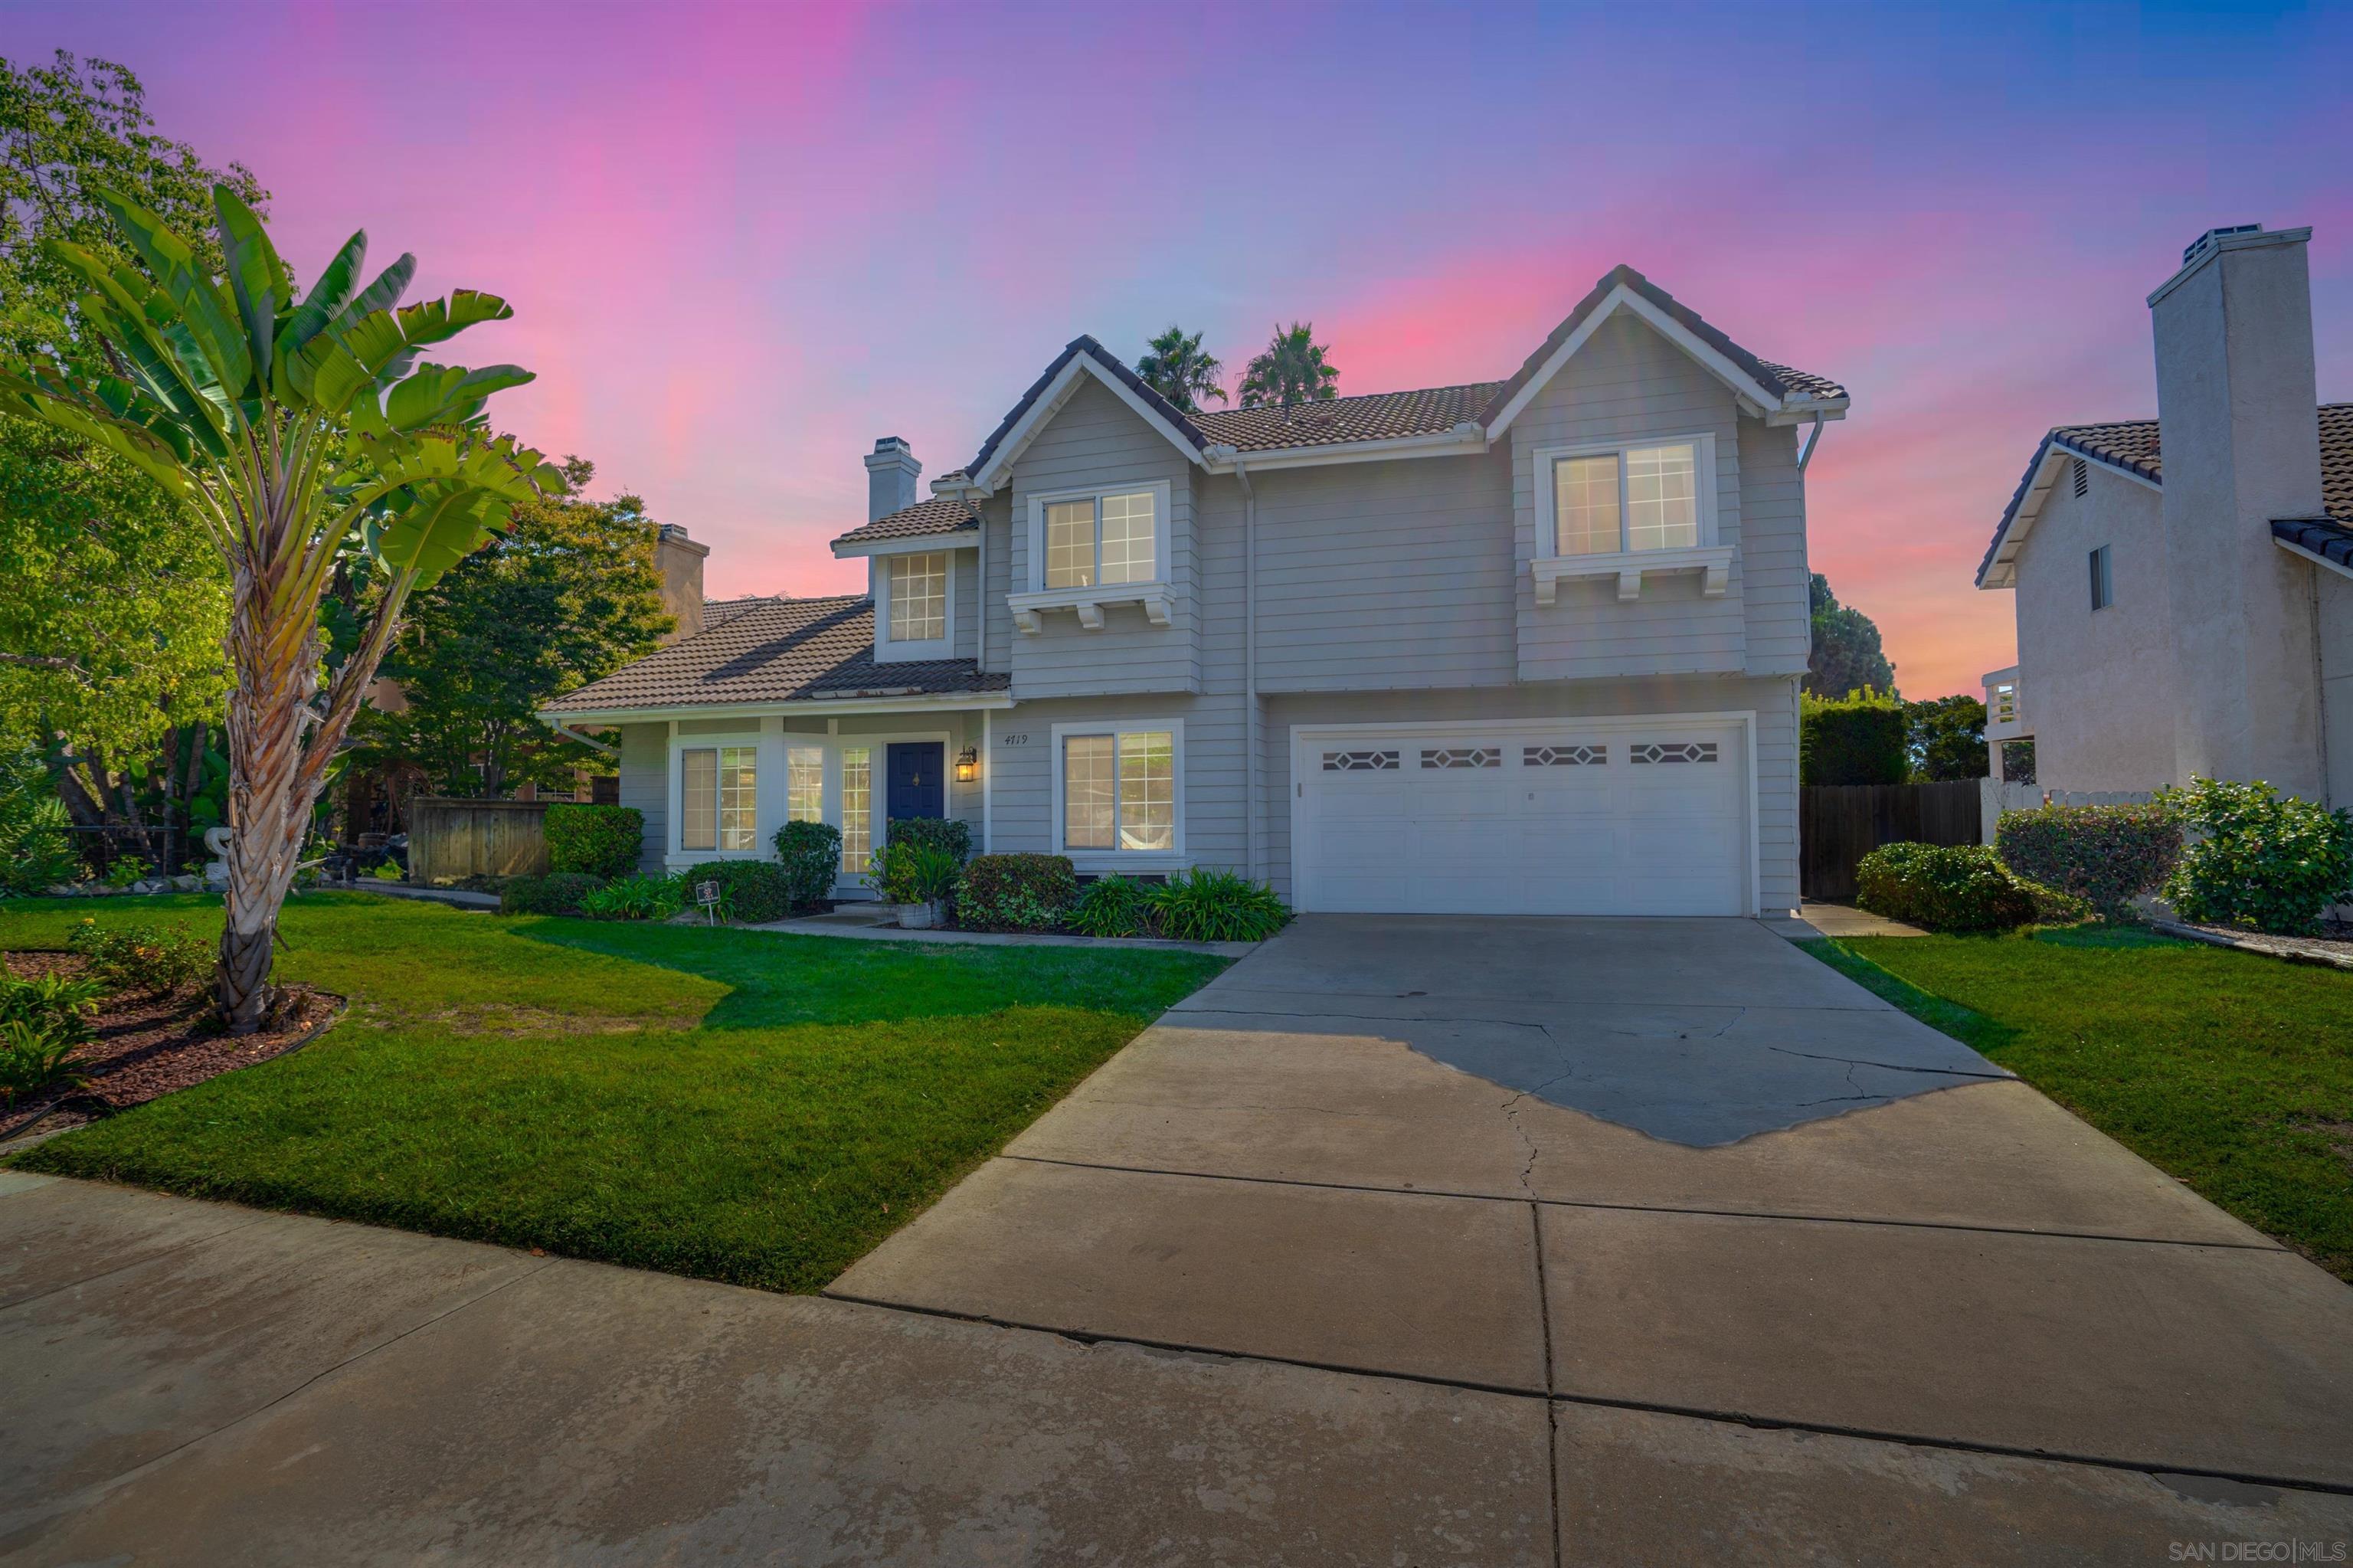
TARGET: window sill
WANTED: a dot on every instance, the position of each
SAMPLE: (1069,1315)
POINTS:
(887,651)
(1029,609)
(1712,562)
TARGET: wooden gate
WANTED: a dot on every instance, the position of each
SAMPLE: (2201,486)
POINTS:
(1837,824)
(451,838)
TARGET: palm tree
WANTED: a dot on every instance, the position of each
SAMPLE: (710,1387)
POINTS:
(1177,369)
(1291,370)
(304,438)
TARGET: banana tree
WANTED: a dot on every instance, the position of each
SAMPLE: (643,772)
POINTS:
(293,431)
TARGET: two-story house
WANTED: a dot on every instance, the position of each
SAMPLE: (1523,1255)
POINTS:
(2184,584)
(1525,646)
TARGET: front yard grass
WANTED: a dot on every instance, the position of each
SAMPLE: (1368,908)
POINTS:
(735,1105)
(2231,1071)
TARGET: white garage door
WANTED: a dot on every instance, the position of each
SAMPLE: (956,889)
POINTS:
(1626,817)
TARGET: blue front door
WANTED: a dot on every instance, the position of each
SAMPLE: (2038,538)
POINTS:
(918,779)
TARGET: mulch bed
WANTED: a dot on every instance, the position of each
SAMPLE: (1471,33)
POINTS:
(151,1043)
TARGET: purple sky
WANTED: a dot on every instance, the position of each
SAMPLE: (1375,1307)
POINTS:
(743,241)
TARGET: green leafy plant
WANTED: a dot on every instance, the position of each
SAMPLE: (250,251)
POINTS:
(557,892)
(916,873)
(390,870)
(1201,905)
(1112,907)
(59,1002)
(1956,887)
(601,841)
(2258,858)
(1859,738)
(635,898)
(757,891)
(2105,855)
(36,847)
(809,854)
(36,1054)
(934,832)
(1016,892)
(143,956)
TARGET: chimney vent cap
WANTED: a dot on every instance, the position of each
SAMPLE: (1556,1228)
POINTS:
(891,443)
(2205,242)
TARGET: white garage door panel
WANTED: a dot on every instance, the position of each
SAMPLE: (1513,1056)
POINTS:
(1622,818)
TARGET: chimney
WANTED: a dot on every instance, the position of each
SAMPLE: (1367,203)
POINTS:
(2239,436)
(680,560)
(891,473)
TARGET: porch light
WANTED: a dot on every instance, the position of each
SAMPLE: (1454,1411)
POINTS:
(967,765)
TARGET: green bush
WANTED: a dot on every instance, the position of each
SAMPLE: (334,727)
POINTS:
(932,832)
(62,1005)
(810,855)
(1956,887)
(36,847)
(2104,856)
(1016,892)
(2262,858)
(912,872)
(1217,906)
(1112,907)
(755,891)
(635,898)
(143,957)
(35,1055)
(1860,739)
(557,892)
(596,840)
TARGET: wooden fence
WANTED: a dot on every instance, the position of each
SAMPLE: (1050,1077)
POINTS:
(1837,824)
(451,838)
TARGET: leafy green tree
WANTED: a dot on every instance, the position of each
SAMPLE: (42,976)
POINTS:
(568,594)
(1946,738)
(1846,655)
(1293,368)
(1177,369)
(292,433)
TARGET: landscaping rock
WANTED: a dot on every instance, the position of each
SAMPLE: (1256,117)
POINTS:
(185,883)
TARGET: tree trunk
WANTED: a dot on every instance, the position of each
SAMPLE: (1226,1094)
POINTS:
(268,805)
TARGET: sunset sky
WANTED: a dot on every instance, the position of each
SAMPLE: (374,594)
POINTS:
(743,241)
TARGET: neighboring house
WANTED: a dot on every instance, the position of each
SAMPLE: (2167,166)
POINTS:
(2185,584)
(1525,646)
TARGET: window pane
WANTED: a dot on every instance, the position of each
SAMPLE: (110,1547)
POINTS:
(1662,497)
(805,784)
(1127,543)
(919,597)
(857,809)
(1585,505)
(1071,545)
(738,798)
(1147,790)
(698,799)
(1090,792)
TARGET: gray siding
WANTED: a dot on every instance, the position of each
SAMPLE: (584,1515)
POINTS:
(2335,606)
(1772,567)
(1021,808)
(645,757)
(1096,440)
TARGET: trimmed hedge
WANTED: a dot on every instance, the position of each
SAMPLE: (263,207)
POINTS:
(1860,739)
(2264,860)
(932,832)
(600,841)
(1956,887)
(2104,856)
(810,856)
(557,892)
(1016,892)
(757,891)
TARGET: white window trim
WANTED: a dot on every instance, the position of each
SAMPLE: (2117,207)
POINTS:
(773,787)
(1548,568)
(888,651)
(1171,859)
(675,850)
(1153,597)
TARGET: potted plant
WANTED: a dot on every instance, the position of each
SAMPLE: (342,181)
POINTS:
(918,878)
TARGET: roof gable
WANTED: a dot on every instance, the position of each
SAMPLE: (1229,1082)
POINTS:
(1081,358)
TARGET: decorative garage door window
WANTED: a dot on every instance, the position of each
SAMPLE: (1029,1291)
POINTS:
(1675,751)
(1565,755)
(1465,756)
(1359,761)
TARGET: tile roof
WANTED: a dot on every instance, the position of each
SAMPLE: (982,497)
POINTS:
(720,612)
(776,651)
(2329,540)
(919,521)
(1379,416)
(2133,445)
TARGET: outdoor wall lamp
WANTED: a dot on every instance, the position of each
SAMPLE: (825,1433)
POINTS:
(967,765)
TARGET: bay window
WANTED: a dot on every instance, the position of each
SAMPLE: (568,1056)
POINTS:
(805,784)
(857,809)
(718,798)
(1118,789)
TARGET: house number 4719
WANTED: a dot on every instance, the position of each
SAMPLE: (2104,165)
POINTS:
(1013,740)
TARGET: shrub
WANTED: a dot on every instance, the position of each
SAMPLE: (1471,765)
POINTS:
(635,898)
(1955,887)
(36,847)
(916,873)
(754,891)
(597,840)
(2105,855)
(61,1004)
(557,892)
(2264,860)
(810,856)
(932,832)
(1217,906)
(143,957)
(1112,907)
(1859,738)
(1016,892)
(33,1055)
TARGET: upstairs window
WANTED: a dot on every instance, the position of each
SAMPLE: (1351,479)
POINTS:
(919,597)
(1631,499)
(1102,540)
(2103,584)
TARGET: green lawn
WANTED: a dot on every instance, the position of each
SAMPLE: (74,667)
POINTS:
(2231,1071)
(735,1105)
